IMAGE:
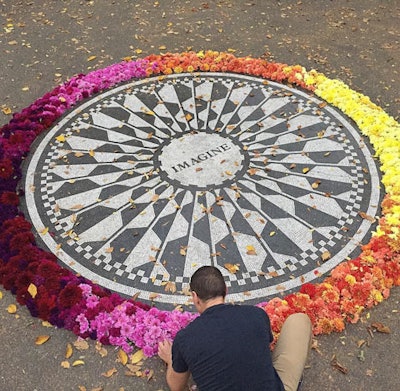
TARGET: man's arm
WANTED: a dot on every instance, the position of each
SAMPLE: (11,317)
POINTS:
(176,381)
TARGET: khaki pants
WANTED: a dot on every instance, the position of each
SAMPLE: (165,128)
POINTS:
(291,351)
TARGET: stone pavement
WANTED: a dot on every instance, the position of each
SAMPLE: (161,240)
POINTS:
(44,44)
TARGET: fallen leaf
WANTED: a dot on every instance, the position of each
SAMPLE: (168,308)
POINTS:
(91,152)
(65,364)
(150,374)
(41,339)
(91,58)
(325,256)
(315,184)
(44,231)
(231,267)
(155,197)
(305,170)
(12,309)
(81,344)
(252,171)
(101,349)
(133,368)
(122,357)
(153,296)
(69,351)
(138,356)
(250,250)
(109,250)
(367,217)
(188,116)
(380,328)
(78,362)
(170,287)
(6,110)
(337,365)
(32,289)
(110,372)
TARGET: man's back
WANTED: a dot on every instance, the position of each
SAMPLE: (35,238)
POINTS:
(227,348)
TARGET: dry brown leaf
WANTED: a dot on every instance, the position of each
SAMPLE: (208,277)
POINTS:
(150,374)
(109,250)
(137,357)
(155,197)
(252,171)
(78,362)
(110,372)
(380,328)
(101,349)
(41,339)
(153,296)
(133,368)
(69,351)
(325,256)
(170,287)
(122,357)
(337,365)
(231,267)
(367,217)
(65,364)
(81,344)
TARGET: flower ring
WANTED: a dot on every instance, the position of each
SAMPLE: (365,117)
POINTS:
(249,166)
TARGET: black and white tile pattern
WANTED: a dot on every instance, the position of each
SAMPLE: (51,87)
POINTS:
(148,181)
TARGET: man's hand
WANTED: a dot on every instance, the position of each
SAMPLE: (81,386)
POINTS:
(165,351)
(176,381)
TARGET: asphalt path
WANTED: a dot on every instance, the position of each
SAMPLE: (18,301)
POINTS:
(43,43)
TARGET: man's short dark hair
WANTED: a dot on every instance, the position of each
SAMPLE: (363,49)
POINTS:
(208,283)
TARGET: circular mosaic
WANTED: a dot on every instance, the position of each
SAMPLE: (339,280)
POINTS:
(143,184)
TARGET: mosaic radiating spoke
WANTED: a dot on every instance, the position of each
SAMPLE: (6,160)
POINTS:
(147,182)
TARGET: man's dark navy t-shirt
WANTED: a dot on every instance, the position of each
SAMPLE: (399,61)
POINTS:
(227,348)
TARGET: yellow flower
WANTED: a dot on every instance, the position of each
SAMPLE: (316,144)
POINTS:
(351,280)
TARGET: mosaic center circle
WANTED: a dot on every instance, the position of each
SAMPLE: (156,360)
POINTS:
(201,160)
(139,186)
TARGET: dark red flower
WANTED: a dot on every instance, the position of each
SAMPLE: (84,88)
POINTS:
(9,198)
(70,296)
(6,168)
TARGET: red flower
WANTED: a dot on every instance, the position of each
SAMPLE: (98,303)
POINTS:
(9,198)
(70,296)
(6,168)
